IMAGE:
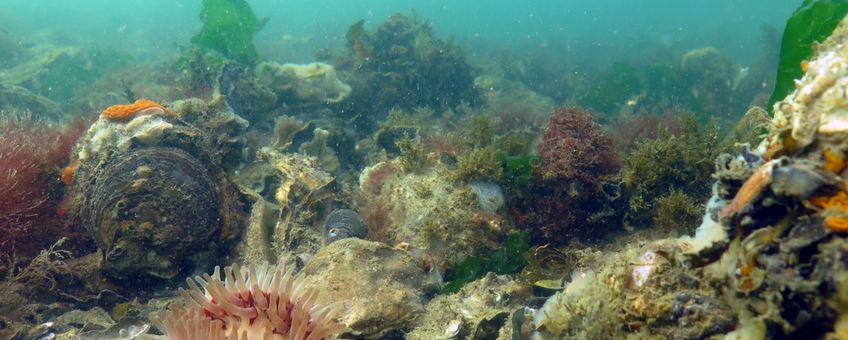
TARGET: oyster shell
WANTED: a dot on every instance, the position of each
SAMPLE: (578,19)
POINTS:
(153,194)
(150,207)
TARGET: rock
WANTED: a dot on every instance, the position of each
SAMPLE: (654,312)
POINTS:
(256,243)
(430,212)
(315,82)
(248,99)
(381,287)
(639,289)
(305,195)
(481,310)
(95,318)
(15,98)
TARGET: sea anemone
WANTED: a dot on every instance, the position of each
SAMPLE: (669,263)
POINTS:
(257,302)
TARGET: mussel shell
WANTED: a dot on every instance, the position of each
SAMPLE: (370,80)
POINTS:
(344,223)
(150,208)
(799,180)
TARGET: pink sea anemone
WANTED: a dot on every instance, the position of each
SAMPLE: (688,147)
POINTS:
(257,302)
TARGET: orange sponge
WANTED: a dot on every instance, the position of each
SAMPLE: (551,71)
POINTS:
(141,106)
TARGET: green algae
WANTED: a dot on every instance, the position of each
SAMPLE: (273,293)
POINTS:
(229,27)
(511,258)
(617,85)
(481,131)
(677,212)
(413,156)
(812,22)
(666,165)
(481,164)
(517,171)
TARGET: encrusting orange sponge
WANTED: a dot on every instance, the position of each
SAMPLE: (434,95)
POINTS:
(141,106)
(835,210)
(69,171)
(834,160)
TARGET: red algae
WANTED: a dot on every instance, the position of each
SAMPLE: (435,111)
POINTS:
(32,152)
(574,147)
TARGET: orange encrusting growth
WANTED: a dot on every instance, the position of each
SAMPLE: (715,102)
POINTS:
(834,161)
(745,269)
(128,111)
(69,171)
(835,210)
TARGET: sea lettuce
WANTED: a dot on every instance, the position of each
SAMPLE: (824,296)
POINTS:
(517,171)
(229,27)
(507,260)
(812,22)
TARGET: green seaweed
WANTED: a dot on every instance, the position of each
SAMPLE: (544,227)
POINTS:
(617,85)
(812,22)
(658,168)
(229,27)
(481,131)
(517,171)
(412,154)
(677,213)
(511,258)
(481,164)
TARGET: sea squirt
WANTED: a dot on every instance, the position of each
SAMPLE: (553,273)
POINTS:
(489,195)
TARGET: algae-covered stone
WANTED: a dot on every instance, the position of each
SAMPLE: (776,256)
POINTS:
(381,287)
(404,64)
(481,310)
(15,98)
(430,212)
(636,290)
(309,82)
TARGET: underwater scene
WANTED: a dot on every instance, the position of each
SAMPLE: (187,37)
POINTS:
(268,169)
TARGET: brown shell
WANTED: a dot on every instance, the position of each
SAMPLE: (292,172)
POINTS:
(154,201)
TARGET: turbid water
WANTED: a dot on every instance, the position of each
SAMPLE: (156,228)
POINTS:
(422,170)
